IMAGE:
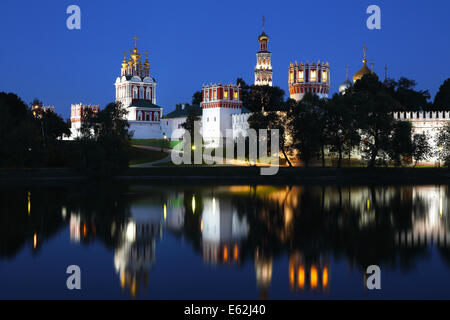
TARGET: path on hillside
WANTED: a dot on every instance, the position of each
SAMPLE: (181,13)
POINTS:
(151,164)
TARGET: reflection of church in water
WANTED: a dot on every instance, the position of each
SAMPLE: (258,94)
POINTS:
(227,237)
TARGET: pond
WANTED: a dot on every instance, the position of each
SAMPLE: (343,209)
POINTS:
(166,241)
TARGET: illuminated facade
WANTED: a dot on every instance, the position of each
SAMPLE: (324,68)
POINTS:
(222,232)
(313,78)
(76,117)
(263,69)
(219,103)
(136,91)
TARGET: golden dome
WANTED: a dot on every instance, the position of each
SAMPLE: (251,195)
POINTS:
(364,70)
(124,62)
(263,36)
(361,73)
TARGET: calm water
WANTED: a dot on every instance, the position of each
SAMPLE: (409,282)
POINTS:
(224,241)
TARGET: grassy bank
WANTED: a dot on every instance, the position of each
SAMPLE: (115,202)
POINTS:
(158,143)
(138,156)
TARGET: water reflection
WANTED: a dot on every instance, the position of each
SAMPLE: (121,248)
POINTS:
(312,226)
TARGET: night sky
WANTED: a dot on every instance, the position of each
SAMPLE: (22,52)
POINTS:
(196,42)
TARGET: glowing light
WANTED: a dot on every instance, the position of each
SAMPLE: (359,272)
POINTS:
(368,204)
(84,230)
(225,253)
(324,76)
(35,240)
(194,147)
(235,95)
(225,94)
(201,225)
(301,277)
(314,277)
(214,205)
(325,277)
(301,75)
(193,204)
(131,231)
(313,75)
(29,202)
(291,276)
(165,212)
(236,252)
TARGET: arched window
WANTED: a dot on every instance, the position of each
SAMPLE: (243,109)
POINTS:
(135,92)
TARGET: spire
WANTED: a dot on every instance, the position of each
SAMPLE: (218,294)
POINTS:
(365,53)
(135,38)
(124,62)
(385,72)
(346,72)
(146,63)
(263,21)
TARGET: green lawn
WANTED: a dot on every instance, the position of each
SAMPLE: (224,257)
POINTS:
(138,156)
(159,143)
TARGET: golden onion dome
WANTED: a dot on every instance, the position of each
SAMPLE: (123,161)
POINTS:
(364,70)
(124,62)
(361,73)
(263,36)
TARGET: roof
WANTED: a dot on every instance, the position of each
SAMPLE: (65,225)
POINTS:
(183,112)
(143,104)
(245,110)
(128,77)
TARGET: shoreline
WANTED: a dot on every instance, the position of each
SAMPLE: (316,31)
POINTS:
(224,174)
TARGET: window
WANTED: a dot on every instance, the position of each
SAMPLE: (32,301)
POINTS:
(215,94)
(324,76)
(225,94)
(235,95)
(301,75)
(313,75)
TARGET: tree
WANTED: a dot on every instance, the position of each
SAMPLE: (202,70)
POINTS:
(261,98)
(421,148)
(408,98)
(374,107)
(54,126)
(20,136)
(273,120)
(443,143)
(197,98)
(341,126)
(105,143)
(307,133)
(191,118)
(400,142)
(442,99)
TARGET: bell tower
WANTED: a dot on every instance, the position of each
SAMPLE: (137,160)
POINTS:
(263,69)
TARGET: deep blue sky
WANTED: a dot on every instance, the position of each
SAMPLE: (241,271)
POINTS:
(196,42)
